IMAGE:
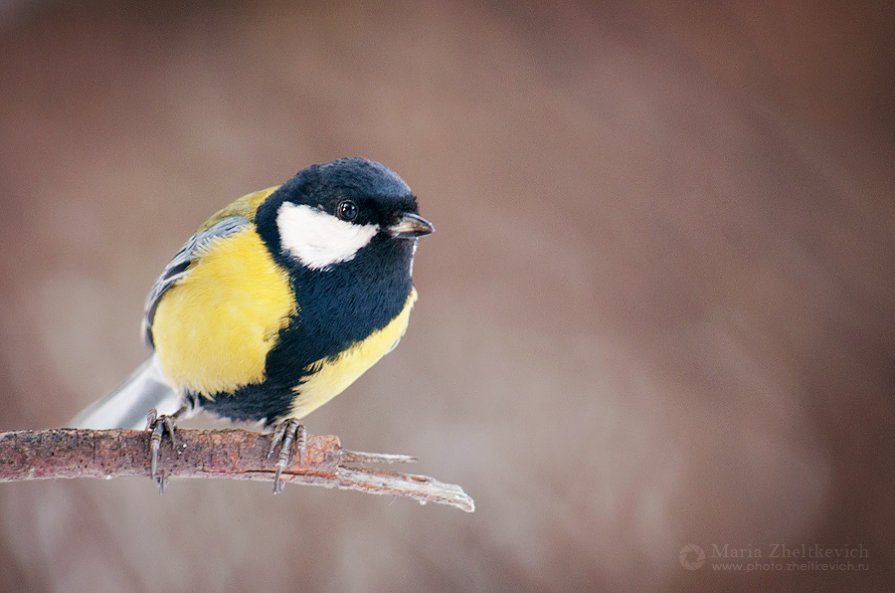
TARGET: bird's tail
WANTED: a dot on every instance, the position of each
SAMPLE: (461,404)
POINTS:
(127,405)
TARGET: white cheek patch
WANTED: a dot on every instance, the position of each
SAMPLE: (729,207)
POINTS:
(317,239)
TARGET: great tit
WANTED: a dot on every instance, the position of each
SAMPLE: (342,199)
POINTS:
(278,303)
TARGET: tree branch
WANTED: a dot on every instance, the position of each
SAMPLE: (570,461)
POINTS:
(227,454)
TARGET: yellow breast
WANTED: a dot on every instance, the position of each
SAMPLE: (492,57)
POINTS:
(334,375)
(213,330)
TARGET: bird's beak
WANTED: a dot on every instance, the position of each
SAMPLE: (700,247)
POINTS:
(411,226)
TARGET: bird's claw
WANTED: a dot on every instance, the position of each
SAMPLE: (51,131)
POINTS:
(286,433)
(158,426)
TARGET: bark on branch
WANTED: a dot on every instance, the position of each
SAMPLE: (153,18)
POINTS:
(227,454)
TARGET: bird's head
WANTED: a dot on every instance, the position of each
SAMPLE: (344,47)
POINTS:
(327,214)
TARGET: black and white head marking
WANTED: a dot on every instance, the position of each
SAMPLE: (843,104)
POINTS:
(330,214)
(319,239)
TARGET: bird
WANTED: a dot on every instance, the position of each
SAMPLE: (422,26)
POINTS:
(277,304)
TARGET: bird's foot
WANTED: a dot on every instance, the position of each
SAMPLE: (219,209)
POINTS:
(159,425)
(284,435)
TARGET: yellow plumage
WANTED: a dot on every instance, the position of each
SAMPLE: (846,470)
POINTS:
(246,206)
(214,328)
(333,376)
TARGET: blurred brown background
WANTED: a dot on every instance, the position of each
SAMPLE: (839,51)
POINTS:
(658,309)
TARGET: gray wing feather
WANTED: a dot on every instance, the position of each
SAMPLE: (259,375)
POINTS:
(179,265)
(127,405)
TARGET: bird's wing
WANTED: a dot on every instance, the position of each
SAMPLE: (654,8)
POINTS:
(179,265)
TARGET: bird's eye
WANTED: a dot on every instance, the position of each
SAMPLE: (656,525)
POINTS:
(346,210)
